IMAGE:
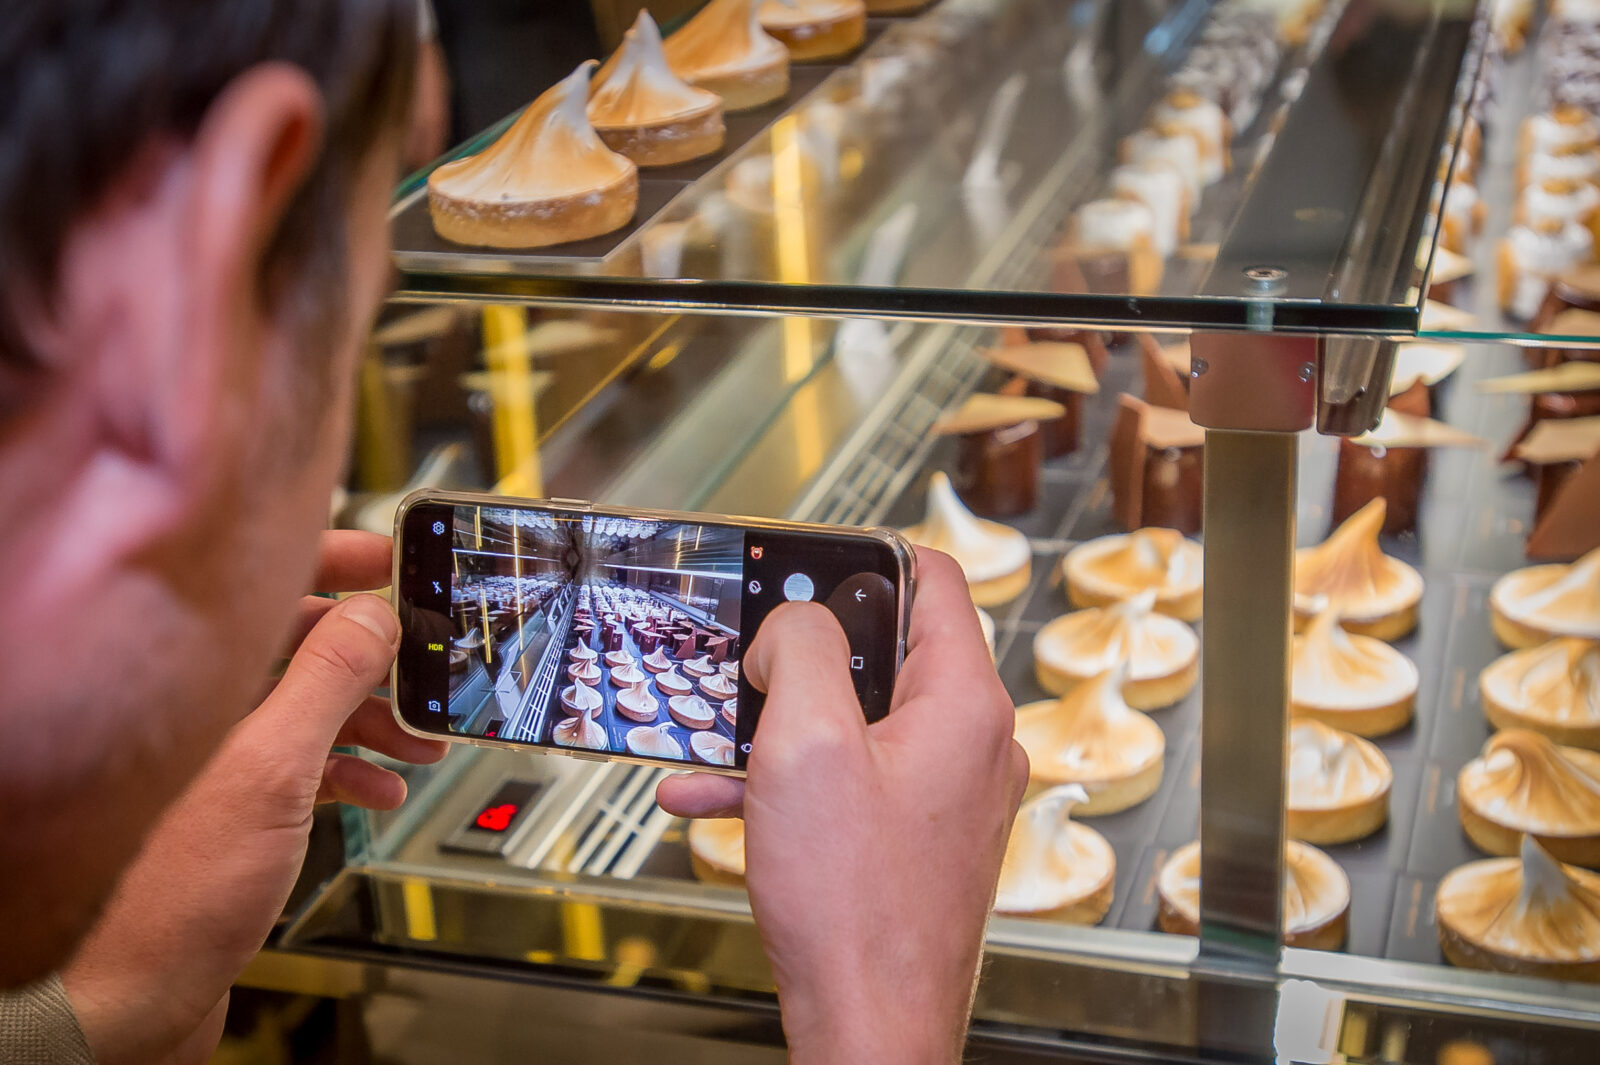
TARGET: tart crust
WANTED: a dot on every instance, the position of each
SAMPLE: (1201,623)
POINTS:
(536,223)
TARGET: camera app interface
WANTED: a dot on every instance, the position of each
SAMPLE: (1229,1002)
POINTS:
(595,633)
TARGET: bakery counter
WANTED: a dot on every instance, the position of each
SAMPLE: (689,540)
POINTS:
(590,882)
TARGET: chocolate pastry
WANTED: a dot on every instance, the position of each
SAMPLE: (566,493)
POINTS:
(1058,372)
(1569,526)
(1422,364)
(1001,450)
(1556,453)
(1164,386)
(1157,467)
(1389,463)
(1093,343)
(1577,289)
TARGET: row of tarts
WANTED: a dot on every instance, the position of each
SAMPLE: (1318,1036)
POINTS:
(1531,797)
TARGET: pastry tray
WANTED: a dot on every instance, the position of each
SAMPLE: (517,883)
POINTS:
(418,248)
(1472,520)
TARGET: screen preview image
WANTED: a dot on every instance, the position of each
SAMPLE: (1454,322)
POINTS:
(596,633)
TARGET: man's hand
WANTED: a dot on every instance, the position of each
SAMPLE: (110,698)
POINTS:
(151,981)
(872,853)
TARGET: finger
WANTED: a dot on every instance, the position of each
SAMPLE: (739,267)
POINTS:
(358,782)
(801,659)
(701,795)
(1019,775)
(311,609)
(374,727)
(945,649)
(352,561)
(345,657)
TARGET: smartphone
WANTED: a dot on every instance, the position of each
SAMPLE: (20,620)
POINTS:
(617,634)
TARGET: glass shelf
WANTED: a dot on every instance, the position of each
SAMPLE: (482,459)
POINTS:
(934,175)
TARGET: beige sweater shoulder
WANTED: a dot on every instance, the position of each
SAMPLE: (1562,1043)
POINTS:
(38,1027)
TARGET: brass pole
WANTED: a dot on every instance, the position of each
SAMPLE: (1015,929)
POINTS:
(1249,586)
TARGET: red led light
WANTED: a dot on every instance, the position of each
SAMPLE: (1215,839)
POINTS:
(497,818)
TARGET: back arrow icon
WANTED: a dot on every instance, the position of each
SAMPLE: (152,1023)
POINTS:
(860,595)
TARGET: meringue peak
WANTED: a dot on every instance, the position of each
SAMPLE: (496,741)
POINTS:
(636,86)
(1576,590)
(1051,862)
(1525,781)
(1334,669)
(550,151)
(723,37)
(1089,734)
(985,549)
(1350,570)
(1329,767)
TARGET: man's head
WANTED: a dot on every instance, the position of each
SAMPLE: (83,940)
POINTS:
(192,241)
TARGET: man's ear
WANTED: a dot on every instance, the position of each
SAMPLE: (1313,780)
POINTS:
(254,149)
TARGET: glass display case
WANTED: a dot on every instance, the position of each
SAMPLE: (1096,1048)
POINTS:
(779,332)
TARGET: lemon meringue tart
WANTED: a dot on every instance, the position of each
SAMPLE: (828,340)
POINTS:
(637,704)
(1338,785)
(719,688)
(691,711)
(585,673)
(1528,914)
(1316,896)
(629,675)
(1054,867)
(815,29)
(1092,737)
(674,683)
(642,110)
(1110,569)
(549,179)
(1529,606)
(1162,654)
(996,559)
(1352,682)
(1553,689)
(656,741)
(716,850)
(579,698)
(1522,784)
(583,731)
(725,50)
(1376,595)
(711,748)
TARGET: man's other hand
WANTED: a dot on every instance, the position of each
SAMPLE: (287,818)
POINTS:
(151,981)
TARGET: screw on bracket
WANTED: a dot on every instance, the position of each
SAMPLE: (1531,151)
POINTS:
(1308,370)
(1265,279)
(1197,366)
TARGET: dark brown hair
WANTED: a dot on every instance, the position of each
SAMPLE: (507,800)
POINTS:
(86,85)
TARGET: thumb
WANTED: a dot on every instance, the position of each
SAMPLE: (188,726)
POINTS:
(345,656)
(801,659)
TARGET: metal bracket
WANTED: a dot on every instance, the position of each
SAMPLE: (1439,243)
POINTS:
(1252,381)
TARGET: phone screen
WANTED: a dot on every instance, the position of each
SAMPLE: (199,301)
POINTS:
(616,634)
